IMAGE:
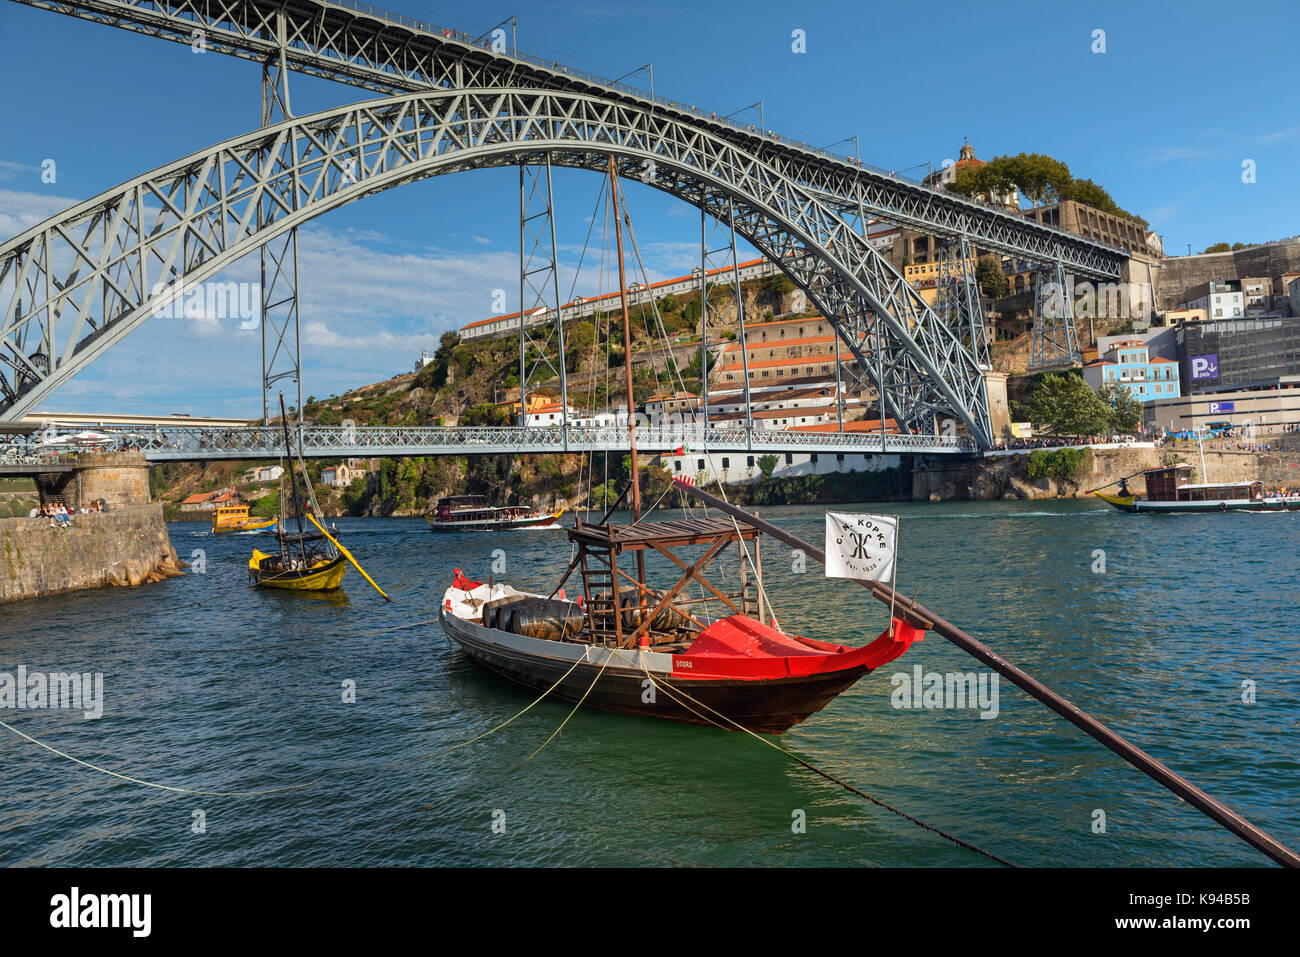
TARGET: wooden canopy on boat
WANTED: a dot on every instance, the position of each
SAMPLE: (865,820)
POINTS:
(649,616)
(643,535)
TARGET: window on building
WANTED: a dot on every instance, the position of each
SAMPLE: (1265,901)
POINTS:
(813,457)
(839,457)
(789,458)
(678,465)
(726,462)
(699,464)
(749,461)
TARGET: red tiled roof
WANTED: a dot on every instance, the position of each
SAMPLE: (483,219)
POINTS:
(858,425)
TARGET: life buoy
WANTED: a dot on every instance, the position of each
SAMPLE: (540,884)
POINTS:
(1223,506)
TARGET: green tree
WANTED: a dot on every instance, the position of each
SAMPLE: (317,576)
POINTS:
(992,281)
(1063,404)
(1126,411)
(485,413)
(1218,248)
(767,464)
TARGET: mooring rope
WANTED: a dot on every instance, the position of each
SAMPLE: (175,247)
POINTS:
(434,754)
(556,732)
(151,784)
(816,770)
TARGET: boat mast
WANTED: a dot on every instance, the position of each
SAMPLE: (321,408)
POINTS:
(631,418)
(627,341)
(293,485)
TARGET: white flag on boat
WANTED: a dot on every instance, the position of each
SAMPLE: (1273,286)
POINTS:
(861,546)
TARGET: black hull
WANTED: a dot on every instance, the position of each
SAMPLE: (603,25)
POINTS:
(766,706)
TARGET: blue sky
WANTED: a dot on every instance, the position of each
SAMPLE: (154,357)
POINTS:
(1163,119)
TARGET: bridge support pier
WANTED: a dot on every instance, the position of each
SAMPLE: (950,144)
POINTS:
(539,289)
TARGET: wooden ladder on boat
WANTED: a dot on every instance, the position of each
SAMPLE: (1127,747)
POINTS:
(602,601)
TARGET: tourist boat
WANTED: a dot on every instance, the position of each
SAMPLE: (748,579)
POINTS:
(1167,490)
(472,513)
(235,518)
(625,647)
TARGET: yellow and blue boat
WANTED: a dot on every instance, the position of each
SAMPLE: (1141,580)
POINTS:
(235,518)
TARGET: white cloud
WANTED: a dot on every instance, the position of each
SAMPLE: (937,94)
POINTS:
(20,211)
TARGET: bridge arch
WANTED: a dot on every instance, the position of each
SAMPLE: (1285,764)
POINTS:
(73,286)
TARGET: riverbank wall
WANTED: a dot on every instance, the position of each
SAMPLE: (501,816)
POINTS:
(126,546)
(1009,477)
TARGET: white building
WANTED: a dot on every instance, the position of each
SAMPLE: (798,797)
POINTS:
(264,473)
(1219,302)
(423,361)
(741,468)
(550,414)
(341,476)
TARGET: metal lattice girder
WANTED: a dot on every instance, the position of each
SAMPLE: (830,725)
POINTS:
(957,299)
(85,278)
(389,53)
(1055,339)
(541,347)
(262,442)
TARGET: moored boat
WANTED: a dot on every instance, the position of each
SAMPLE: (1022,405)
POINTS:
(312,561)
(642,651)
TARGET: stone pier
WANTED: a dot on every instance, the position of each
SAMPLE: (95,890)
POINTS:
(127,544)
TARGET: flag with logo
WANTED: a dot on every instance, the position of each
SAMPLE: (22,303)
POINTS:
(862,547)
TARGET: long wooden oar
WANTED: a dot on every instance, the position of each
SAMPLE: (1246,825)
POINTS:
(346,554)
(921,617)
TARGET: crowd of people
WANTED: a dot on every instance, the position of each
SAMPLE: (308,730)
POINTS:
(60,515)
(1053,442)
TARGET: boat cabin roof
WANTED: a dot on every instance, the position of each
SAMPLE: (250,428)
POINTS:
(642,535)
(473,500)
(1219,485)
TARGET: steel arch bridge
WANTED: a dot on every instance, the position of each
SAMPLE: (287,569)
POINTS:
(78,283)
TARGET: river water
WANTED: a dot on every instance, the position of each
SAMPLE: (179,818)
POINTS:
(211,685)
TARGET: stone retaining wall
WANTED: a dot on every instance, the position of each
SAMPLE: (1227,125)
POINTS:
(124,546)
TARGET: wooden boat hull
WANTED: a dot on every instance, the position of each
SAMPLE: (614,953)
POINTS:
(1135,503)
(619,681)
(494,525)
(323,576)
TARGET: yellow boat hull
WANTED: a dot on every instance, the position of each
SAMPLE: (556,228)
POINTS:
(325,575)
(244,525)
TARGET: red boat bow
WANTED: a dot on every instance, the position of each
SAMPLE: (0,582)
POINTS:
(740,647)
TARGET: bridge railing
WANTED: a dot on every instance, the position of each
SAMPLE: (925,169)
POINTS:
(326,441)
